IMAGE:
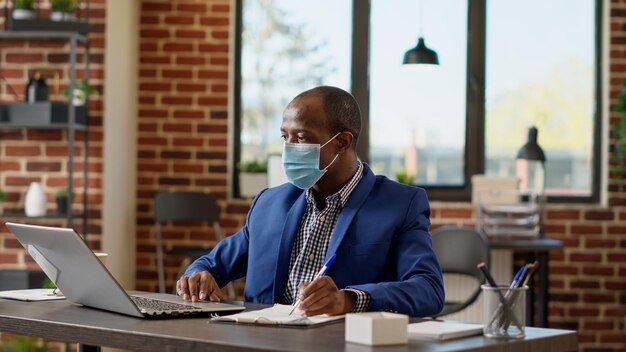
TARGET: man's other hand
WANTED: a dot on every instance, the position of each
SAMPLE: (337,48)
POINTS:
(321,296)
(199,286)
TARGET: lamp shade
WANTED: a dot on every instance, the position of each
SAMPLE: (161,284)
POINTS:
(531,150)
(421,54)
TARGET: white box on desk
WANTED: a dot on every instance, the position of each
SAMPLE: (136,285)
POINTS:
(377,328)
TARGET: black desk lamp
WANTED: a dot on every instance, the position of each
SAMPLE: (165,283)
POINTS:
(530,165)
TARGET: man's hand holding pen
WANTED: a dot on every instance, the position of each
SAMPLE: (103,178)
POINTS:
(321,296)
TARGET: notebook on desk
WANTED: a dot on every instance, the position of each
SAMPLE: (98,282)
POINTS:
(441,330)
(80,275)
(31,295)
(278,314)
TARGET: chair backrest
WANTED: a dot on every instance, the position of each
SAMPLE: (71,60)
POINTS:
(460,250)
(171,206)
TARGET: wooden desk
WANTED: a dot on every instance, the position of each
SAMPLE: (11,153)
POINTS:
(60,320)
(541,246)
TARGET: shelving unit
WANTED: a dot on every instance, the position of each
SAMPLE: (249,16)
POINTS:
(70,124)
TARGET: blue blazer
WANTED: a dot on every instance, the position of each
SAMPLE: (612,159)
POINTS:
(381,239)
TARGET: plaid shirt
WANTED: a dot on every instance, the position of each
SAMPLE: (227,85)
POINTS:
(312,240)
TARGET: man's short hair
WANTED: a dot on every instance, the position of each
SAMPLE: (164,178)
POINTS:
(341,109)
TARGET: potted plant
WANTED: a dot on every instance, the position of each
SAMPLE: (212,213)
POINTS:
(252,177)
(23,9)
(404,177)
(619,136)
(63,10)
(82,90)
(61,198)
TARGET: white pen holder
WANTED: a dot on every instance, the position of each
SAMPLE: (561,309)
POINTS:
(377,328)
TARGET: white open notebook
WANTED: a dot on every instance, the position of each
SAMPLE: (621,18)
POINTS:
(278,314)
(441,330)
(36,294)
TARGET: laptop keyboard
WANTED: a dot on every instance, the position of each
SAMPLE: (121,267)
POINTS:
(149,305)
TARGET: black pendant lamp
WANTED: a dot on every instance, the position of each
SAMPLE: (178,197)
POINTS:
(421,54)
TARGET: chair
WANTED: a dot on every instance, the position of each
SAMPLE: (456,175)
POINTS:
(460,250)
(190,206)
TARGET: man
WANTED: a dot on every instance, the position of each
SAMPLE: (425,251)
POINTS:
(333,204)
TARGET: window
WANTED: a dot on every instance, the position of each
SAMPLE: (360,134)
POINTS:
(417,114)
(286,48)
(542,75)
(504,65)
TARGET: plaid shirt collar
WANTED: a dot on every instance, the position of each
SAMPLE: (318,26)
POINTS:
(344,192)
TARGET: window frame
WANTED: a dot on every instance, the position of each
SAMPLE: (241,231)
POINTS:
(474,154)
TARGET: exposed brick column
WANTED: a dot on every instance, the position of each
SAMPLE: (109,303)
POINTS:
(183,127)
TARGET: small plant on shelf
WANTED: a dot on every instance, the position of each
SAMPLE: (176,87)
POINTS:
(65,6)
(62,10)
(252,177)
(404,177)
(3,196)
(82,90)
(60,196)
(253,167)
(23,9)
(24,4)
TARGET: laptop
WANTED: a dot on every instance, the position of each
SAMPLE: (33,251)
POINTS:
(78,273)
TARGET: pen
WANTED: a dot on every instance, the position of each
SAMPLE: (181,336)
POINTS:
(522,280)
(320,273)
(531,268)
(531,271)
(517,276)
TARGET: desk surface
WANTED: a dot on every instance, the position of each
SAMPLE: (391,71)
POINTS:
(60,320)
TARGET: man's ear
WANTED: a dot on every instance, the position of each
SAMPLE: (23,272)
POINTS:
(345,139)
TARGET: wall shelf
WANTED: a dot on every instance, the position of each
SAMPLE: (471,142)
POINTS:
(58,117)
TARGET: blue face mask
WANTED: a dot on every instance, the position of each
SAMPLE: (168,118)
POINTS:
(301,163)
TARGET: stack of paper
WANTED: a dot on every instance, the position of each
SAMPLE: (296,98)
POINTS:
(441,330)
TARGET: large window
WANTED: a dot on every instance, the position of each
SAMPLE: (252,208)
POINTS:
(417,114)
(505,66)
(286,48)
(542,74)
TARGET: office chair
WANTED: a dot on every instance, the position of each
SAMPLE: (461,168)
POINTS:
(190,206)
(460,250)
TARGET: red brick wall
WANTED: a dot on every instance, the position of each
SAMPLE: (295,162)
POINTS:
(41,155)
(183,127)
